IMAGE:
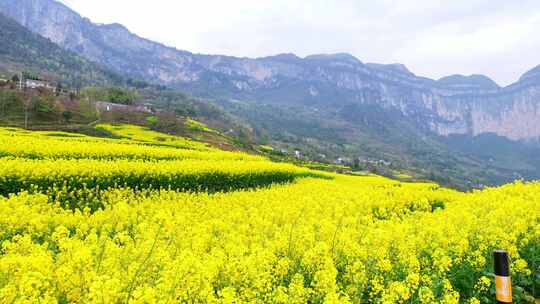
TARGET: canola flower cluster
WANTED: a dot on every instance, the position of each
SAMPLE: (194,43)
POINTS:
(319,238)
(59,145)
(79,182)
(142,134)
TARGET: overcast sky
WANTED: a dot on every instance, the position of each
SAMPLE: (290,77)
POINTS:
(433,38)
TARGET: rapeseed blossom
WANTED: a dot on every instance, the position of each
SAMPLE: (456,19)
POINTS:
(133,237)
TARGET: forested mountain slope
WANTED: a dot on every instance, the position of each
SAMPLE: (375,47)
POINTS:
(24,50)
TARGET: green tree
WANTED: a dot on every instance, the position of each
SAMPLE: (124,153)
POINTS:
(58,89)
(94,94)
(122,96)
(112,94)
(152,120)
(42,106)
(356,164)
(67,115)
(8,100)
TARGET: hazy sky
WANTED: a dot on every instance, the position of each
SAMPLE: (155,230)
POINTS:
(433,38)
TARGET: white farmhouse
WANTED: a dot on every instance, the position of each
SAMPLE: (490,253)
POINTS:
(34,84)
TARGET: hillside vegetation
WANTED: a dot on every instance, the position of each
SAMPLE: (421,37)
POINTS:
(90,110)
(143,217)
(23,49)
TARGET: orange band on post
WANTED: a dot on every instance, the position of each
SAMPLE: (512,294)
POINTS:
(504,289)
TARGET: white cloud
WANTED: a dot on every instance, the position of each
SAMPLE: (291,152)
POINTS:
(432,37)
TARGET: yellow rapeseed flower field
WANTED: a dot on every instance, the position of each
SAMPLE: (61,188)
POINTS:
(83,224)
(144,145)
(142,134)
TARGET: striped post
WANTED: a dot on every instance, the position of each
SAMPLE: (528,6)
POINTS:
(503,281)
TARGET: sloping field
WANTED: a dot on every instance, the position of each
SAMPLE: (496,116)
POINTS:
(133,220)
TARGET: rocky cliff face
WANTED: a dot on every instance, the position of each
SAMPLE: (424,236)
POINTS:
(456,104)
(510,113)
(23,48)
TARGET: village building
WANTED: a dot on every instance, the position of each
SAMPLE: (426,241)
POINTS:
(385,162)
(343,161)
(34,84)
(105,106)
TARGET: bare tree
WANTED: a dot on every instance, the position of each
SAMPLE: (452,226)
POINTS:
(28,103)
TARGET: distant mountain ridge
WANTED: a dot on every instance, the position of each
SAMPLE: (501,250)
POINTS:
(533,75)
(327,100)
(478,82)
(445,104)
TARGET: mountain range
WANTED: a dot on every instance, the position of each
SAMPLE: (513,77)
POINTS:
(24,50)
(462,128)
